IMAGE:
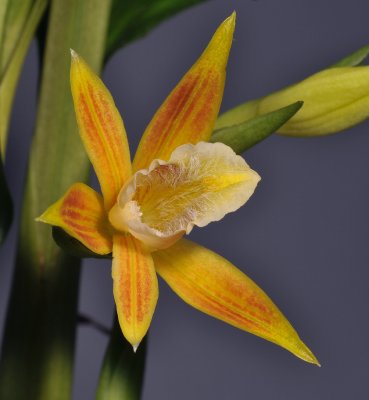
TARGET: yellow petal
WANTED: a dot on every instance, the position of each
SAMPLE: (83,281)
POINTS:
(80,212)
(135,287)
(199,184)
(101,129)
(189,113)
(213,285)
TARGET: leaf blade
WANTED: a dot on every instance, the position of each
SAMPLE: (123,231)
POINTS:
(13,62)
(13,18)
(245,135)
(353,59)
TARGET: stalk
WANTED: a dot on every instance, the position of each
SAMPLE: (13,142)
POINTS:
(19,22)
(38,344)
(122,371)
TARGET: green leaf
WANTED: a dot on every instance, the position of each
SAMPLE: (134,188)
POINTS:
(247,134)
(20,22)
(122,371)
(13,17)
(6,206)
(353,59)
(38,344)
(3,7)
(130,20)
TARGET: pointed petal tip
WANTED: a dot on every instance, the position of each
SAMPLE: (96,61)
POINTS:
(74,54)
(219,47)
(43,217)
(306,354)
(312,360)
(230,22)
(135,347)
(232,17)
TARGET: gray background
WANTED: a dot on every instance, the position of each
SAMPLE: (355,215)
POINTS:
(302,237)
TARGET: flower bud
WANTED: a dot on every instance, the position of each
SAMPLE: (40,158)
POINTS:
(334,99)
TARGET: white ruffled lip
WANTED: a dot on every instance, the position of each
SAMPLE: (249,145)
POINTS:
(152,237)
(126,215)
(127,192)
(188,162)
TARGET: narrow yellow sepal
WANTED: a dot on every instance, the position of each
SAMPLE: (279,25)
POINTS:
(188,114)
(80,212)
(135,287)
(214,286)
(101,129)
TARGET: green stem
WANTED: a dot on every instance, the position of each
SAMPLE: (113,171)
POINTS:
(122,370)
(14,16)
(10,71)
(38,345)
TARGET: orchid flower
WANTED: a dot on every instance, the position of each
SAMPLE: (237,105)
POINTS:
(176,181)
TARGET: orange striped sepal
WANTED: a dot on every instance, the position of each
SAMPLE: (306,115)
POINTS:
(214,286)
(188,114)
(80,212)
(135,287)
(101,129)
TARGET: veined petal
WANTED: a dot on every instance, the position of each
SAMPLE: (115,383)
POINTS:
(199,184)
(214,286)
(135,287)
(188,114)
(101,129)
(80,212)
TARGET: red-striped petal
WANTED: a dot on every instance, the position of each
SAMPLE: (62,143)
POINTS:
(80,212)
(213,285)
(101,129)
(188,114)
(135,287)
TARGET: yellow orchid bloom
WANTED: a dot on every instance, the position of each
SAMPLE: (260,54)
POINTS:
(176,181)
